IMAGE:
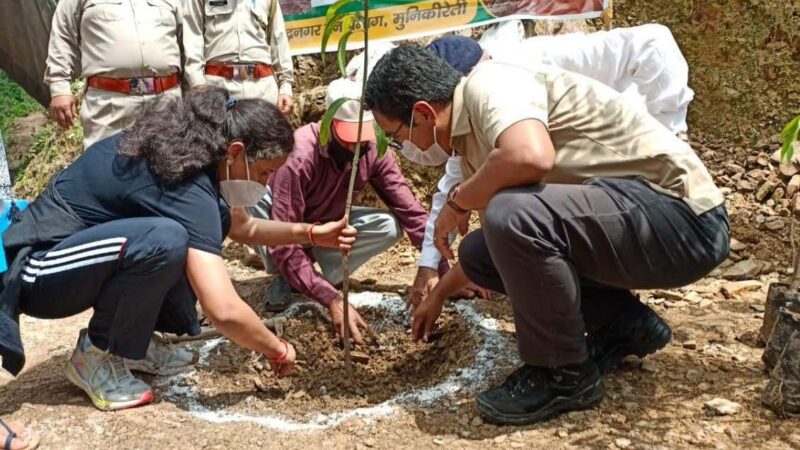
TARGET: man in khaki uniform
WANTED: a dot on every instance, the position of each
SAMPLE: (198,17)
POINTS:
(583,196)
(129,53)
(226,43)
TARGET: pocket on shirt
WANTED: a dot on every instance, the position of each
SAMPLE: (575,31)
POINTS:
(218,12)
(161,12)
(108,10)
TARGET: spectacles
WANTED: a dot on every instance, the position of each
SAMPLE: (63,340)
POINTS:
(393,141)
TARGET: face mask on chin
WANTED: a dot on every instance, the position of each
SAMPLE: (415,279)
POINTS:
(433,156)
(241,193)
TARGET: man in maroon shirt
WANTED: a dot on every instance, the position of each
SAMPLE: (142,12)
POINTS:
(312,186)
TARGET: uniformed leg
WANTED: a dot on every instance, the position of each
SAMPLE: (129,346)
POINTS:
(105,113)
(377,231)
(123,269)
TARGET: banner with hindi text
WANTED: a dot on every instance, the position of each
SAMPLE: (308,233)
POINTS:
(408,19)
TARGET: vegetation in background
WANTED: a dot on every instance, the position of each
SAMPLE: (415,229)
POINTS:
(14,103)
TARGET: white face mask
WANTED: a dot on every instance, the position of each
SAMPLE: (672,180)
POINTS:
(433,156)
(241,193)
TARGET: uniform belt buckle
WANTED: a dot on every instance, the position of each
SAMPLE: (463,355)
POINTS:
(242,72)
(143,86)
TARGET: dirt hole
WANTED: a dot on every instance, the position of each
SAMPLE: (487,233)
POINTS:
(240,382)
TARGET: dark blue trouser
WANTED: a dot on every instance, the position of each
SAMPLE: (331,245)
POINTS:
(552,246)
(131,271)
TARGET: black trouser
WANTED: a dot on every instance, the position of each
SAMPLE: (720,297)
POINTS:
(131,271)
(542,245)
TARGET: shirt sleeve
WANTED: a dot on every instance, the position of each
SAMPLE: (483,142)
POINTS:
(391,187)
(63,52)
(495,101)
(195,205)
(288,205)
(194,42)
(430,256)
(281,58)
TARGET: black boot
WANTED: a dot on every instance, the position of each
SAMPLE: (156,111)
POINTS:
(533,394)
(637,330)
(278,295)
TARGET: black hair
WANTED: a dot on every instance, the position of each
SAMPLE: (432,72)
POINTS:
(181,137)
(406,75)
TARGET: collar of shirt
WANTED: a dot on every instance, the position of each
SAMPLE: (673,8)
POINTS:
(460,118)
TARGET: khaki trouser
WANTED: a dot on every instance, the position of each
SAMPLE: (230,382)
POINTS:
(104,113)
(266,88)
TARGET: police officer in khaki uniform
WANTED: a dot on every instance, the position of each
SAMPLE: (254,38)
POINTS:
(129,53)
(226,43)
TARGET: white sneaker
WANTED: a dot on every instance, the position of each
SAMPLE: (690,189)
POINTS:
(163,359)
(104,377)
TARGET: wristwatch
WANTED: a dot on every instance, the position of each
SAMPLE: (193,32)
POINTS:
(451,200)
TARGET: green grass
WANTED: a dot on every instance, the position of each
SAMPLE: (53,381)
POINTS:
(14,103)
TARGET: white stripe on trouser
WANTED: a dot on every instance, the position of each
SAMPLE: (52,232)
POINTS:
(93,250)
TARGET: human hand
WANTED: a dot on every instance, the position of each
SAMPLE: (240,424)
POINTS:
(334,235)
(285,104)
(449,219)
(425,317)
(425,280)
(356,323)
(471,291)
(64,110)
(285,366)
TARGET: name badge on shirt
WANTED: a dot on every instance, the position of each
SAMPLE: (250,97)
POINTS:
(217,2)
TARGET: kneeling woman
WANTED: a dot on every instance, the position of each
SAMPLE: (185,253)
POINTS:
(134,229)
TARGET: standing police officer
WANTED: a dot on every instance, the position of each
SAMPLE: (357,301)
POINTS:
(240,45)
(129,53)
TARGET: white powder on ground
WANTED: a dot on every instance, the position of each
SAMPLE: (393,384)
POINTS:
(496,353)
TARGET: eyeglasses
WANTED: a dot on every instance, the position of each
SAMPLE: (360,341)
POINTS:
(393,140)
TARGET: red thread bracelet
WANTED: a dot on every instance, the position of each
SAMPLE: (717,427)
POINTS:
(310,235)
(282,357)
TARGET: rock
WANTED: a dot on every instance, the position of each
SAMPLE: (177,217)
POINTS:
(649,366)
(370,442)
(793,186)
(762,160)
(359,357)
(766,188)
(622,442)
(778,194)
(668,294)
(691,344)
(517,445)
(500,439)
(745,186)
(477,421)
(737,245)
(722,407)
(775,223)
(693,297)
(732,289)
(734,168)
(438,441)
(757,308)
(742,270)
(562,433)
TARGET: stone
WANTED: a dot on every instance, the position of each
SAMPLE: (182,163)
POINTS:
(562,433)
(762,160)
(793,186)
(477,421)
(742,270)
(517,445)
(734,288)
(359,357)
(691,344)
(649,366)
(737,245)
(757,308)
(500,439)
(778,194)
(775,223)
(370,442)
(668,294)
(764,190)
(722,407)
(622,442)
(438,441)
(745,186)
(705,303)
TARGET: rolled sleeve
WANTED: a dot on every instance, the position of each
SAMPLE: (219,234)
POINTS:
(430,256)
(63,52)
(281,56)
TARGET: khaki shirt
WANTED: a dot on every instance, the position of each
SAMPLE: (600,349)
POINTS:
(596,132)
(112,38)
(228,31)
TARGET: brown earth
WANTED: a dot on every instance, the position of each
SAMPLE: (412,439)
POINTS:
(743,55)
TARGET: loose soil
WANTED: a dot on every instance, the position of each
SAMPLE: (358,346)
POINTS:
(321,384)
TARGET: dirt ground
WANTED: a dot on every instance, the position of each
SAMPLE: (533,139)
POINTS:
(742,54)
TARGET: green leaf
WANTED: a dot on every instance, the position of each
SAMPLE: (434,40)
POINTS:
(339,5)
(789,136)
(342,52)
(380,139)
(327,118)
(329,29)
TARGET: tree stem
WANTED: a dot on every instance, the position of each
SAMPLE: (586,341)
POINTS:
(354,170)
